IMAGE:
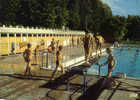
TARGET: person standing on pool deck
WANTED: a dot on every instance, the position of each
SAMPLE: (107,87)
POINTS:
(87,46)
(53,45)
(36,51)
(58,62)
(98,40)
(108,81)
(27,54)
(110,61)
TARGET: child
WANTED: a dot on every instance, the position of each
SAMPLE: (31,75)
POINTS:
(99,41)
(36,54)
(58,62)
(110,61)
(27,54)
(111,64)
(87,46)
(53,45)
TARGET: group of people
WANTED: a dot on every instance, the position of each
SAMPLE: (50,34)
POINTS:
(53,48)
(89,42)
(88,47)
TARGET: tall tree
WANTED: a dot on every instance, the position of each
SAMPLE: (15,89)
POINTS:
(133,26)
(74,16)
(9,11)
(114,29)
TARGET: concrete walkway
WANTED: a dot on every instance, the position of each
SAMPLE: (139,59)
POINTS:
(38,87)
(16,63)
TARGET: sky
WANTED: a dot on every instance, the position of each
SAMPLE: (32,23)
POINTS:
(124,7)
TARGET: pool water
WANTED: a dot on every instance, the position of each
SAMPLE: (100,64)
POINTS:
(128,62)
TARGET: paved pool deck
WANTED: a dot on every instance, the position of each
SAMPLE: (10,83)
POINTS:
(15,86)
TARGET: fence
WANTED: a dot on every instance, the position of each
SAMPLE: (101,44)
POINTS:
(19,34)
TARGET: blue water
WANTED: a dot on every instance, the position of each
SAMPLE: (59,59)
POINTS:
(128,62)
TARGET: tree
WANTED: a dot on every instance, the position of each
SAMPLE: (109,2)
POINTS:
(9,11)
(133,26)
(74,16)
(62,13)
(100,12)
(114,28)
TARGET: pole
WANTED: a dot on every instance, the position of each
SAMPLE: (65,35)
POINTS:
(15,36)
(99,70)
(47,60)
(0,45)
(8,44)
(84,81)
(42,59)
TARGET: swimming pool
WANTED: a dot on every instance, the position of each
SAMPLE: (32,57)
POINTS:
(128,62)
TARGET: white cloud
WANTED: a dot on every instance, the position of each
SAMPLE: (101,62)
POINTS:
(116,9)
(124,7)
(112,5)
(109,2)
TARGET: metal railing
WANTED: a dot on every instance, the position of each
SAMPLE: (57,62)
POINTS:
(47,59)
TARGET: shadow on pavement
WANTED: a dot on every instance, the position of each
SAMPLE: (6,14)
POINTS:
(93,92)
(20,76)
(58,81)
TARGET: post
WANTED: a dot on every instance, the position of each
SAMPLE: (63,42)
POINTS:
(45,39)
(0,45)
(8,43)
(27,37)
(32,38)
(47,60)
(21,37)
(68,83)
(42,59)
(41,35)
(84,81)
(37,37)
(99,70)
(15,42)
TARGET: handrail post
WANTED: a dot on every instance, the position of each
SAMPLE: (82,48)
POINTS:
(99,70)
(42,58)
(84,81)
(68,83)
(47,60)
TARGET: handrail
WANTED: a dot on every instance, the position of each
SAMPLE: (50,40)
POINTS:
(99,68)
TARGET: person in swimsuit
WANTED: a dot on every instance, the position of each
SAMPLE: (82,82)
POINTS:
(58,62)
(27,54)
(99,40)
(110,61)
(109,81)
(53,45)
(36,54)
(87,46)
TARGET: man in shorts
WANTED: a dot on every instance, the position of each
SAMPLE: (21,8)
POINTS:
(58,62)
(27,54)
